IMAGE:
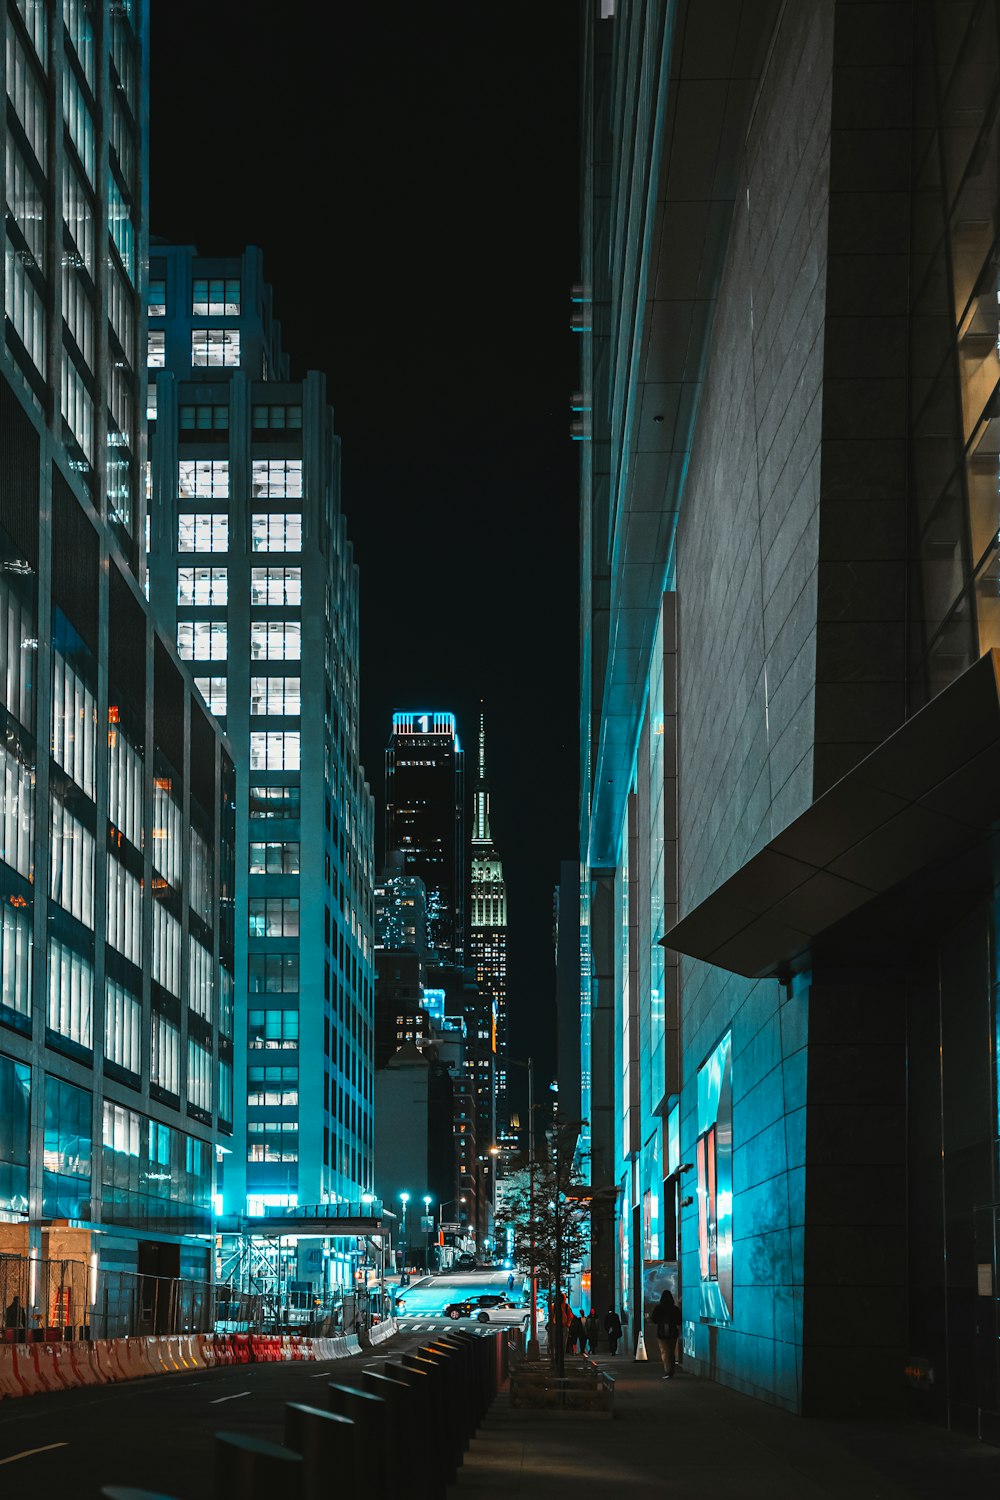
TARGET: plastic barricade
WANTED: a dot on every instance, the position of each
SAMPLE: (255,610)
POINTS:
(10,1382)
(27,1371)
(134,1358)
(206,1349)
(175,1351)
(192,1350)
(54,1370)
(240,1345)
(81,1363)
(352,1345)
(106,1358)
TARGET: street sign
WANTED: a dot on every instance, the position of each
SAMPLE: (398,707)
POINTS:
(426,1223)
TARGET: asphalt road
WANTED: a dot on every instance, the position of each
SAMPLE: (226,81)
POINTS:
(158,1433)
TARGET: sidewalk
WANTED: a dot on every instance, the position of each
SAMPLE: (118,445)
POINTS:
(689,1439)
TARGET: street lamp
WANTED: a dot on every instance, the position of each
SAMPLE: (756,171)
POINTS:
(404,1199)
(429,1230)
(532,1349)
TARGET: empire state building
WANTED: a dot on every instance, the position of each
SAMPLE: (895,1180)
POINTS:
(488,933)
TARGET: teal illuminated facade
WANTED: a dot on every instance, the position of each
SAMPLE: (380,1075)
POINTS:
(790,692)
(251,568)
(116,837)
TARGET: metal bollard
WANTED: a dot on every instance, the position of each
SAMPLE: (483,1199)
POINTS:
(126,1492)
(473,1348)
(255,1470)
(404,1434)
(448,1454)
(328,1445)
(370,1415)
(462,1385)
(425,1455)
(454,1393)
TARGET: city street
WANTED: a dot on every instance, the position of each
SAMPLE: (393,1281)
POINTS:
(431,1294)
(158,1433)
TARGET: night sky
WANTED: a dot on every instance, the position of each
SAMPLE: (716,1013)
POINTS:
(411,175)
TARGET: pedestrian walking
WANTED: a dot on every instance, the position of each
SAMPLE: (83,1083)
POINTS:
(593,1326)
(510,1282)
(613,1329)
(666,1321)
(574,1333)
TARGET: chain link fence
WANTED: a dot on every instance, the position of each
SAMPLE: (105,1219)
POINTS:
(77,1299)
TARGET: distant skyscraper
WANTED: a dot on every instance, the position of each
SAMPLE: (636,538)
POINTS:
(251,565)
(488,928)
(425,819)
(400,908)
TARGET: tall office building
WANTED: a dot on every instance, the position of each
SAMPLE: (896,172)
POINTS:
(488,930)
(425,819)
(116,839)
(251,567)
(790,691)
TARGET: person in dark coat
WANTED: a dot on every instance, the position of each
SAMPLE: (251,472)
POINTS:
(574,1333)
(666,1320)
(613,1329)
(593,1327)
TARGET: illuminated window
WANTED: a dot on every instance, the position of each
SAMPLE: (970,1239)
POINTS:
(164,1054)
(277,478)
(274,750)
(199,1079)
(276,586)
(79,121)
(200,971)
(214,692)
(122,1027)
(202,640)
(275,695)
(203,477)
(714,1160)
(215,346)
(274,859)
(71,994)
(273,1086)
(274,801)
(203,531)
(124,902)
(121,227)
(202,585)
(276,531)
(276,640)
(156,350)
(71,866)
(273,1028)
(273,916)
(156,299)
(215,298)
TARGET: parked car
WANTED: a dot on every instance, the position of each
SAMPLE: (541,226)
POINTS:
(503,1312)
(488,1299)
(459,1310)
(465,1261)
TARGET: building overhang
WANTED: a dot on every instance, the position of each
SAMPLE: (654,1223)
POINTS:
(888,855)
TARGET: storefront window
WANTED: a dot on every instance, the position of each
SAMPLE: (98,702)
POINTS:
(714,1157)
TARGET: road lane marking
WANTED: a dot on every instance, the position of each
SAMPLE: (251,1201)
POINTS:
(29,1452)
(237,1396)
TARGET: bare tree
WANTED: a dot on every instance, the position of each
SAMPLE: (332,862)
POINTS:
(549,1224)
